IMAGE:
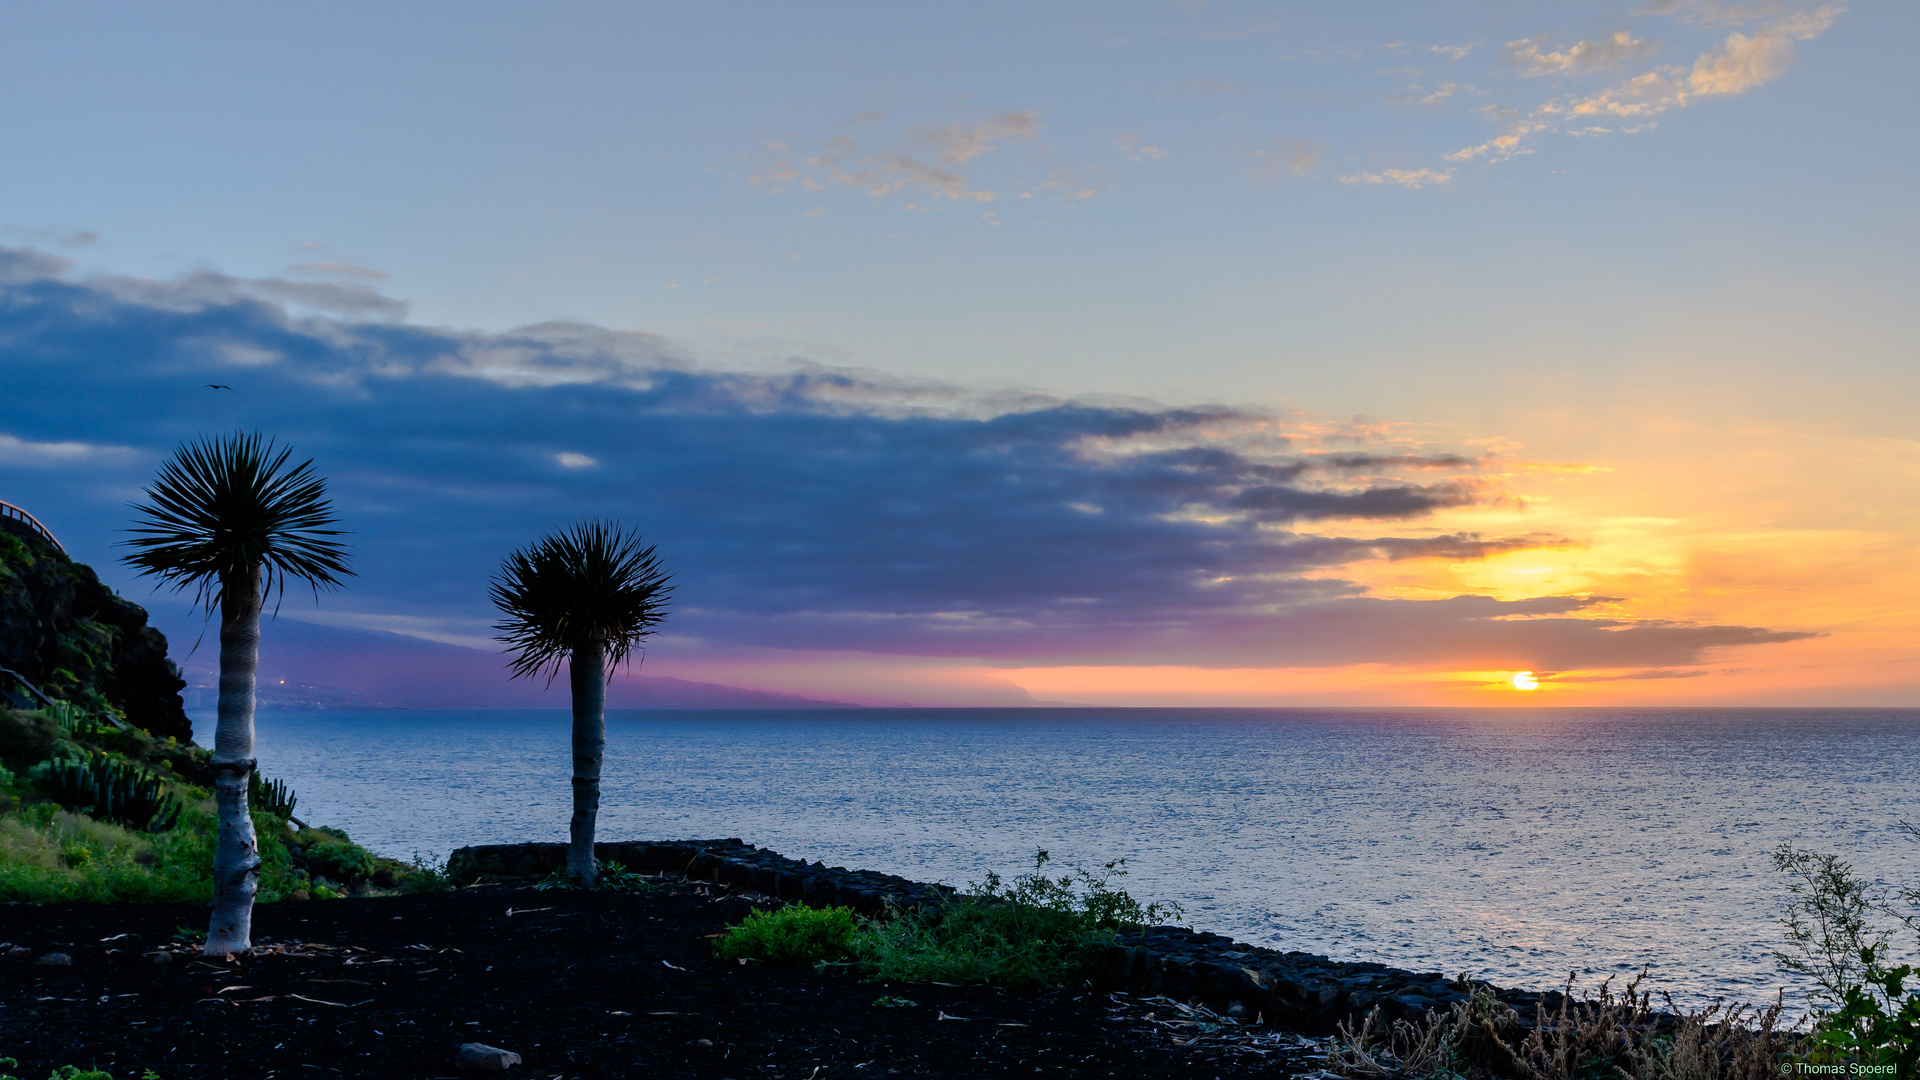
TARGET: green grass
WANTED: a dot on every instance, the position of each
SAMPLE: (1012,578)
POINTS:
(791,935)
(50,855)
(1035,930)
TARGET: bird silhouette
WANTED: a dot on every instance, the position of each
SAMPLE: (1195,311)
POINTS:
(217,386)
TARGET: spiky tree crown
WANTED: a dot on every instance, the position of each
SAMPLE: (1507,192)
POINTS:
(591,582)
(227,504)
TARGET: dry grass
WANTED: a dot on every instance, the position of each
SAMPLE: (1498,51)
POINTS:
(1606,1037)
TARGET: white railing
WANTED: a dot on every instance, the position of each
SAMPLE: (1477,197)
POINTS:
(12,512)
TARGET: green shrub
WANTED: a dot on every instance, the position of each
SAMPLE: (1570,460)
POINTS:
(422,876)
(972,940)
(790,935)
(1036,930)
(615,877)
(562,878)
(1840,933)
(13,550)
(330,854)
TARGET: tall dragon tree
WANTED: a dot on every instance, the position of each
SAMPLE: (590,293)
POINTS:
(587,596)
(229,517)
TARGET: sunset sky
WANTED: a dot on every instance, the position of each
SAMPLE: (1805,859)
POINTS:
(1174,353)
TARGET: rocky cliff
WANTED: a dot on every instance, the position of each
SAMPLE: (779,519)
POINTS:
(75,639)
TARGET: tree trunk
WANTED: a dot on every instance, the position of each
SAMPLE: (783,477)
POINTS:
(587,669)
(236,856)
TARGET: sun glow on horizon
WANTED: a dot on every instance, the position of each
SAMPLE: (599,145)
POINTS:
(1524,680)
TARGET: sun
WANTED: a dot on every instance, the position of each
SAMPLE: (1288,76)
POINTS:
(1524,680)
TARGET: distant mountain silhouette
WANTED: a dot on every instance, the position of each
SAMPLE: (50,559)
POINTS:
(304,666)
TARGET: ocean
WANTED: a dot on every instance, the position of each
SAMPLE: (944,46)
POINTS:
(1518,845)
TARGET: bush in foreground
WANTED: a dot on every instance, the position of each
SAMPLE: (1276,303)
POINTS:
(791,935)
(1842,932)
(1036,930)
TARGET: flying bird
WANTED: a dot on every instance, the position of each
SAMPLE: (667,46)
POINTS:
(217,386)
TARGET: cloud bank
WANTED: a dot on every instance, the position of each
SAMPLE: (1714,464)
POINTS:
(806,508)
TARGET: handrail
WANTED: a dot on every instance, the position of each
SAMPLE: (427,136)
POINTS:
(8,510)
(28,686)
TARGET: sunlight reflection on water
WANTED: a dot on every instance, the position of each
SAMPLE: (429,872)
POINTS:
(1519,844)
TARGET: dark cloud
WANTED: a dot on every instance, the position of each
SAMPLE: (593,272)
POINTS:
(809,508)
(1303,626)
(1397,461)
(18,265)
(1274,503)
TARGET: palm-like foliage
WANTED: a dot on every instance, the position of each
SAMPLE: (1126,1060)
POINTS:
(593,582)
(223,507)
(232,519)
(588,596)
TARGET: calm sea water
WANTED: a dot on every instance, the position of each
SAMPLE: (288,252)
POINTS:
(1518,845)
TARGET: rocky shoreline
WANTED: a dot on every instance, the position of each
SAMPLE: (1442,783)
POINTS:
(1296,990)
(578,985)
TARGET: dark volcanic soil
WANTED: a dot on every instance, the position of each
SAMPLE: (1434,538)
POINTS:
(580,985)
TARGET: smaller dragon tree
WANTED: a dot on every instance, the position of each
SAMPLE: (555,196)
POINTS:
(587,596)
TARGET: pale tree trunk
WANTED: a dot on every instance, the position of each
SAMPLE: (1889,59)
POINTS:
(236,856)
(587,669)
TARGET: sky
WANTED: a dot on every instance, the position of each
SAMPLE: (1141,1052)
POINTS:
(1132,354)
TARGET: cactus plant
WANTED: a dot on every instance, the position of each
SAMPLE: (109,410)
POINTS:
(272,796)
(110,790)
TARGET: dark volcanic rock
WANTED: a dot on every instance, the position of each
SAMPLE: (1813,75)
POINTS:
(1297,990)
(68,633)
(587,986)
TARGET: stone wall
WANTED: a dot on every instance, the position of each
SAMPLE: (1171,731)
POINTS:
(1296,990)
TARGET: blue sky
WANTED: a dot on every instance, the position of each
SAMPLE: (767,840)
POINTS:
(887,252)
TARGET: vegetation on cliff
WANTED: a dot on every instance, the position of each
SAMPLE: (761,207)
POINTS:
(59,843)
(78,642)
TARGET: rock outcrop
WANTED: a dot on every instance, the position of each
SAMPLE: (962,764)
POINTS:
(75,639)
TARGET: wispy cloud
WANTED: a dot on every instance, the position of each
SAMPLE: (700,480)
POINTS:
(1409,178)
(932,160)
(1534,58)
(75,238)
(1281,158)
(17,451)
(1757,54)
(1136,150)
